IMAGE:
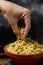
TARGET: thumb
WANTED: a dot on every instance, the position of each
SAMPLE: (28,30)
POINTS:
(14,26)
(16,31)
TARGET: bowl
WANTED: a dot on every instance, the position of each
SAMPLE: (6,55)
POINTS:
(23,59)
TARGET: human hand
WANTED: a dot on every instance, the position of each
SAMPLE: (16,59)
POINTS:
(13,13)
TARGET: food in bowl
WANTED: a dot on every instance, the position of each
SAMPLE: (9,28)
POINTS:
(27,46)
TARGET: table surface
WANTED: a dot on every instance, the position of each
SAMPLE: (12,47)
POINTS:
(4,60)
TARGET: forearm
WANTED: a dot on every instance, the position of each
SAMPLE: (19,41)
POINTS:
(1,1)
(6,5)
(1,4)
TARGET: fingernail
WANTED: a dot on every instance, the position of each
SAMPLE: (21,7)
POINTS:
(18,37)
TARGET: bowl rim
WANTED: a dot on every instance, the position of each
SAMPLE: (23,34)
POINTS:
(5,50)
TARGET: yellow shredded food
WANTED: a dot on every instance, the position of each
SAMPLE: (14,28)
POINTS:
(27,46)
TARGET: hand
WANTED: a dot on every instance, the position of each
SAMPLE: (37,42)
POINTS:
(13,13)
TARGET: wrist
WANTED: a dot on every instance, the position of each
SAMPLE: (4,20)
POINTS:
(1,4)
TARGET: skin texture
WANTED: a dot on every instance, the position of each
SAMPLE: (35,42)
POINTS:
(13,13)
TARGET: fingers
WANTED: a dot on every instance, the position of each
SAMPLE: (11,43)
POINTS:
(15,29)
(14,26)
(27,25)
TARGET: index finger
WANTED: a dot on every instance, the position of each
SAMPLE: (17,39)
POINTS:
(27,22)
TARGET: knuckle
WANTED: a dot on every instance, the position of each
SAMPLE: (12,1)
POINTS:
(27,11)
